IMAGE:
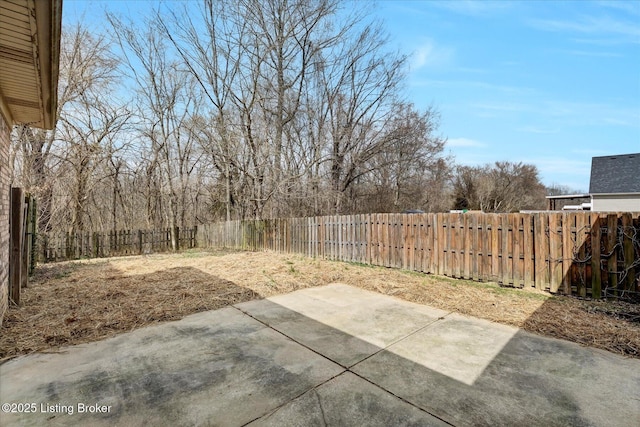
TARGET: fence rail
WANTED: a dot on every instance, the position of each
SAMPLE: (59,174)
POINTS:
(67,246)
(582,253)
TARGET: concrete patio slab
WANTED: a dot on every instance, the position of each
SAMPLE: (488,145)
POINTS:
(472,372)
(348,400)
(343,323)
(217,366)
(271,362)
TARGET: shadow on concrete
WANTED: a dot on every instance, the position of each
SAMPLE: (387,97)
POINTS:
(333,355)
(468,371)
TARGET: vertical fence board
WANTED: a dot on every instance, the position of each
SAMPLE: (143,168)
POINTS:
(408,247)
(399,243)
(381,229)
(518,258)
(420,255)
(567,252)
(459,242)
(390,240)
(382,241)
(365,230)
(378,231)
(628,279)
(452,243)
(485,237)
(393,239)
(581,230)
(555,252)
(612,262)
(437,244)
(495,247)
(527,242)
(596,281)
(476,250)
(468,237)
(539,273)
(448,259)
(15,241)
(370,237)
(506,244)
(456,243)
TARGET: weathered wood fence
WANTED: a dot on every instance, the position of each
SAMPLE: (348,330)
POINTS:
(67,246)
(22,219)
(581,253)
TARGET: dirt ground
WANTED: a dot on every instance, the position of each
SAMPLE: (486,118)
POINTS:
(74,302)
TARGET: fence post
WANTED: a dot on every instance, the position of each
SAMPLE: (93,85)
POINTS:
(24,275)
(32,235)
(612,263)
(15,253)
(628,252)
(596,278)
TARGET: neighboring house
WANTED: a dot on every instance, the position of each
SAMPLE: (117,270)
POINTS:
(615,183)
(569,202)
(29,58)
(614,187)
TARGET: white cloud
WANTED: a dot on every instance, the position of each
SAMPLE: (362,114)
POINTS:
(537,130)
(475,84)
(621,6)
(499,109)
(591,53)
(590,152)
(591,25)
(572,172)
(465,142)
(429,54)
(580,113)
(474,7)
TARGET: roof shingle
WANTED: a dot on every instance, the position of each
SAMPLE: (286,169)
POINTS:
(615,174)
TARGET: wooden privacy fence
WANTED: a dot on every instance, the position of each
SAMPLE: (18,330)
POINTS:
(67,246)
(22,221)
(581,253)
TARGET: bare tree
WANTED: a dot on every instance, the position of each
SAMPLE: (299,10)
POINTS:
(89,118)
(559,189)
(408,173)
(503,187)
(236,109)
(164,105)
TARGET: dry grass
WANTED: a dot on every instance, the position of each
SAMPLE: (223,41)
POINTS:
(75,302)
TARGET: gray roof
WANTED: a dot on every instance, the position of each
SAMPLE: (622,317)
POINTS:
(615,174)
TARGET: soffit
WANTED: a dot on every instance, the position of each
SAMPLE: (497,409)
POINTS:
(29,55)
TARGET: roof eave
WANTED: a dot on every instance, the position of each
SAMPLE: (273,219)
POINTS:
(49,21)
(568,196)
(631,193)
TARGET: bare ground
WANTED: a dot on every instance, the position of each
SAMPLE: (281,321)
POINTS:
(74,302)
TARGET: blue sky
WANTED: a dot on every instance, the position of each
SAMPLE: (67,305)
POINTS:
(547,83)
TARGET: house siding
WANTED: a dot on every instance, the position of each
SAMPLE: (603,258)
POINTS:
(615,203)
(5,190)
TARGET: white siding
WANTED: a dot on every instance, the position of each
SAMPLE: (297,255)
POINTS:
(615,203)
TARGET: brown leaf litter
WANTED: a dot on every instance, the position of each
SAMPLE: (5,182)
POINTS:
(81,301)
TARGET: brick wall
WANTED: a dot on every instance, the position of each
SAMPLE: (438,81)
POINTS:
(5,190)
